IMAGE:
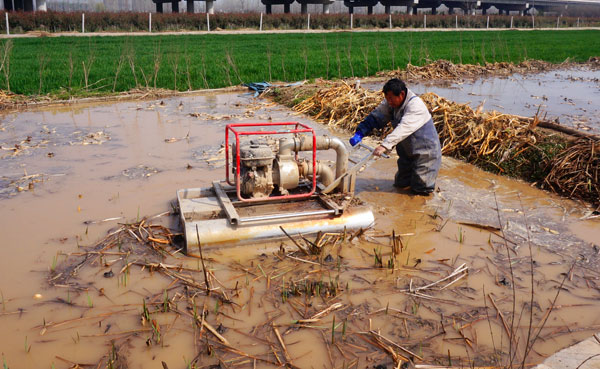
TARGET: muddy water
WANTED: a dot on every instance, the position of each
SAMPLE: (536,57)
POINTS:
(79,171)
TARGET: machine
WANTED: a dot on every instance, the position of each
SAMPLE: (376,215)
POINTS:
(274,185)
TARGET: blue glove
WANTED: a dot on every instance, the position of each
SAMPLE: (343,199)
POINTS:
(358,136)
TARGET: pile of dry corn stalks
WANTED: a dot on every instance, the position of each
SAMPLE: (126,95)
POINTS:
(575,172)
(478,137)
(340,105)
(444,69)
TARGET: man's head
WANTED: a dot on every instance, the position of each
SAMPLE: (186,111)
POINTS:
(395,92)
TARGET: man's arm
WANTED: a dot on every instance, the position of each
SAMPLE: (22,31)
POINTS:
(377,119)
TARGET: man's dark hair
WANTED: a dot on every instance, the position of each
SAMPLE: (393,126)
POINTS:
(395,85)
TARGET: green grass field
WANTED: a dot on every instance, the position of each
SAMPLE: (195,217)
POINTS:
(66,66)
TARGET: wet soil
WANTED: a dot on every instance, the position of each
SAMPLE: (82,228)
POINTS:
(72,174)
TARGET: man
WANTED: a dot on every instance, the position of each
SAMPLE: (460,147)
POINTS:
(414,135)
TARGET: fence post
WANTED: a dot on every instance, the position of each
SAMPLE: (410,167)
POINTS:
(7,21)
(557,20)
(308,22)
(532,20)
(424,20)
(8,31)
(150,22)
(207,22)
(456,20)
(390,21)
(511,21)
(352,20)
(260,27)
(488,22)
(82,22)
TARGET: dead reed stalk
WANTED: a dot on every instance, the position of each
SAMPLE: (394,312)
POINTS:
(157,61)
(87,65)
(231,62)
(203,72)
(444,69)
(130,52)
(174,61)
(5,51)
(326,57)
(42,62)
(269,55)
(120,64)
(188,76)
(349,56)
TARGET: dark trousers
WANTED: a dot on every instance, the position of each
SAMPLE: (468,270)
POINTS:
(419,159)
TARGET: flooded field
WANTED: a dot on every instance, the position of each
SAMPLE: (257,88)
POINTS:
(82,284)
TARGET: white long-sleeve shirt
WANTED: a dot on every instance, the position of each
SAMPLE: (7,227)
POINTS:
(408,118)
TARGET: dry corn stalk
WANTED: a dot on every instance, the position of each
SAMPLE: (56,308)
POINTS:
(444,69)
(472,135)
(575,172)
(341,105)
(464,132)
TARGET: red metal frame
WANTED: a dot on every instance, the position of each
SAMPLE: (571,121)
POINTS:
(237,133)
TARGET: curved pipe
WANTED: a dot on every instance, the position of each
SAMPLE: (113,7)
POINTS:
(304,143)
(323,171)
(341,160)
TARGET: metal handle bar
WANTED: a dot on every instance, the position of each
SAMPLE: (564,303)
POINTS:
(372,149)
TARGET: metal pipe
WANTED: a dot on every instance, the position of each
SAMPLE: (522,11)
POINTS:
(303,143)
(285,216)
(341,160)
(323,171)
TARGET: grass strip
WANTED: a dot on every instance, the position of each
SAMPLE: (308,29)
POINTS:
(65,66)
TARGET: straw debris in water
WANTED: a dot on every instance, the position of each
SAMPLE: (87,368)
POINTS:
(345,309)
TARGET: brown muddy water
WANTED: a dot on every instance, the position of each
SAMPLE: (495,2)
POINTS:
(80,171)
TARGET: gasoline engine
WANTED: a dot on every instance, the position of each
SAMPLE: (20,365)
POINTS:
(270,165)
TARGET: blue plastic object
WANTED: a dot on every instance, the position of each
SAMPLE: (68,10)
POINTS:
(356,138)
(258,87)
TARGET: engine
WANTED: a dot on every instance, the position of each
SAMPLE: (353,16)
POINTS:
(256,169)
(267,165)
